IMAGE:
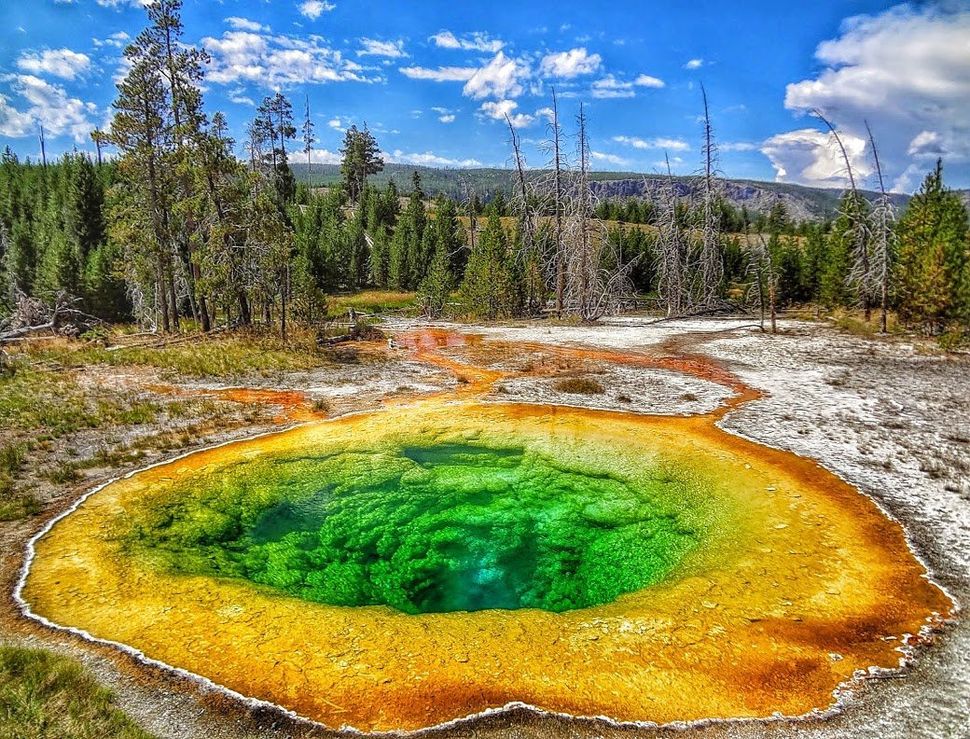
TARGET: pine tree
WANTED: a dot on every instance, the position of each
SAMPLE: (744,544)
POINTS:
(361,158)
(436,287)
(933,257)
(490,289)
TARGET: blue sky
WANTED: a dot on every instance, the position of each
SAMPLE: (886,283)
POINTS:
(434,80)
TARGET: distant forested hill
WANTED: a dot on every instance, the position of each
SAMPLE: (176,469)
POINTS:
(802,203)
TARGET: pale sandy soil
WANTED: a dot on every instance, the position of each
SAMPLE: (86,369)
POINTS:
(889,417)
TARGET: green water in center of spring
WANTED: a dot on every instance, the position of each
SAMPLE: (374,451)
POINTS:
(425,529)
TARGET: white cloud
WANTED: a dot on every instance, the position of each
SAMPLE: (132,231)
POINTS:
(476,41)
(429,159)
(62,63)
(610,87)
(501,78)
(502,108)
(124,3)
(324,156)
(49,105)
(336,124)
(738,146)
(907,71)
(600,156)
(313,9)
(441,74)
(275,61)
(655,143)
(445,115)
(569,64)
(244,24)
(694,64)
(389,49)
(239,97)
(14,123)
(645,80)
(117,40)
(812,157)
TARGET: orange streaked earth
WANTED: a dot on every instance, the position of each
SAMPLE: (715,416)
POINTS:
(745,581)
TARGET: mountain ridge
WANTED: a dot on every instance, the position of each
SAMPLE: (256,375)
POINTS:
(802,203)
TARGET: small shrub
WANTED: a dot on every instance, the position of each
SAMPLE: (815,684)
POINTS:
(321,405)
(13,505)
(579,386)
(63,473)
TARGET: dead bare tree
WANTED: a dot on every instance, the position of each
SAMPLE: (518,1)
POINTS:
(710,268)
(521,199)
(670,248)
(765,276)
(861,277)
(558,204)
(882,220)
(34,316)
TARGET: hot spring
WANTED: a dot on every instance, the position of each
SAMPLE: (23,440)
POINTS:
(400,569)
(425,529)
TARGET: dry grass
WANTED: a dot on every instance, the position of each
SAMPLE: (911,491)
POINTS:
(45,696)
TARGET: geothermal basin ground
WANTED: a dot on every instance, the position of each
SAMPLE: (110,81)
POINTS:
(882,418)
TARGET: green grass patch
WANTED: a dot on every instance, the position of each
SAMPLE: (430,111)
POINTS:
(371,301)
(202,356)
(42,399)
(46,696)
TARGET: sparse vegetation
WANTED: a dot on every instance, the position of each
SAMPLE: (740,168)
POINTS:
(579,386)
(46,696)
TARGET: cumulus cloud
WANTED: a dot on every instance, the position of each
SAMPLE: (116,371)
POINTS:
(313,9)
(501,108)
(47,104)
(660,142)
(62,63)
(501,78)
(325,156)
(476,41)
(694,64)
(276,61)
(907,71)
(428,159)
(569,64)
(813,157)
(389,49)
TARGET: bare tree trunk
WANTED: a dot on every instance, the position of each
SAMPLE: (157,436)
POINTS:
(711,267)
(883,235)
(558,204)
(43,146)
(860,276)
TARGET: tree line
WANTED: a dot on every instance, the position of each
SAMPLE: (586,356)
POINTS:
(174,227)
